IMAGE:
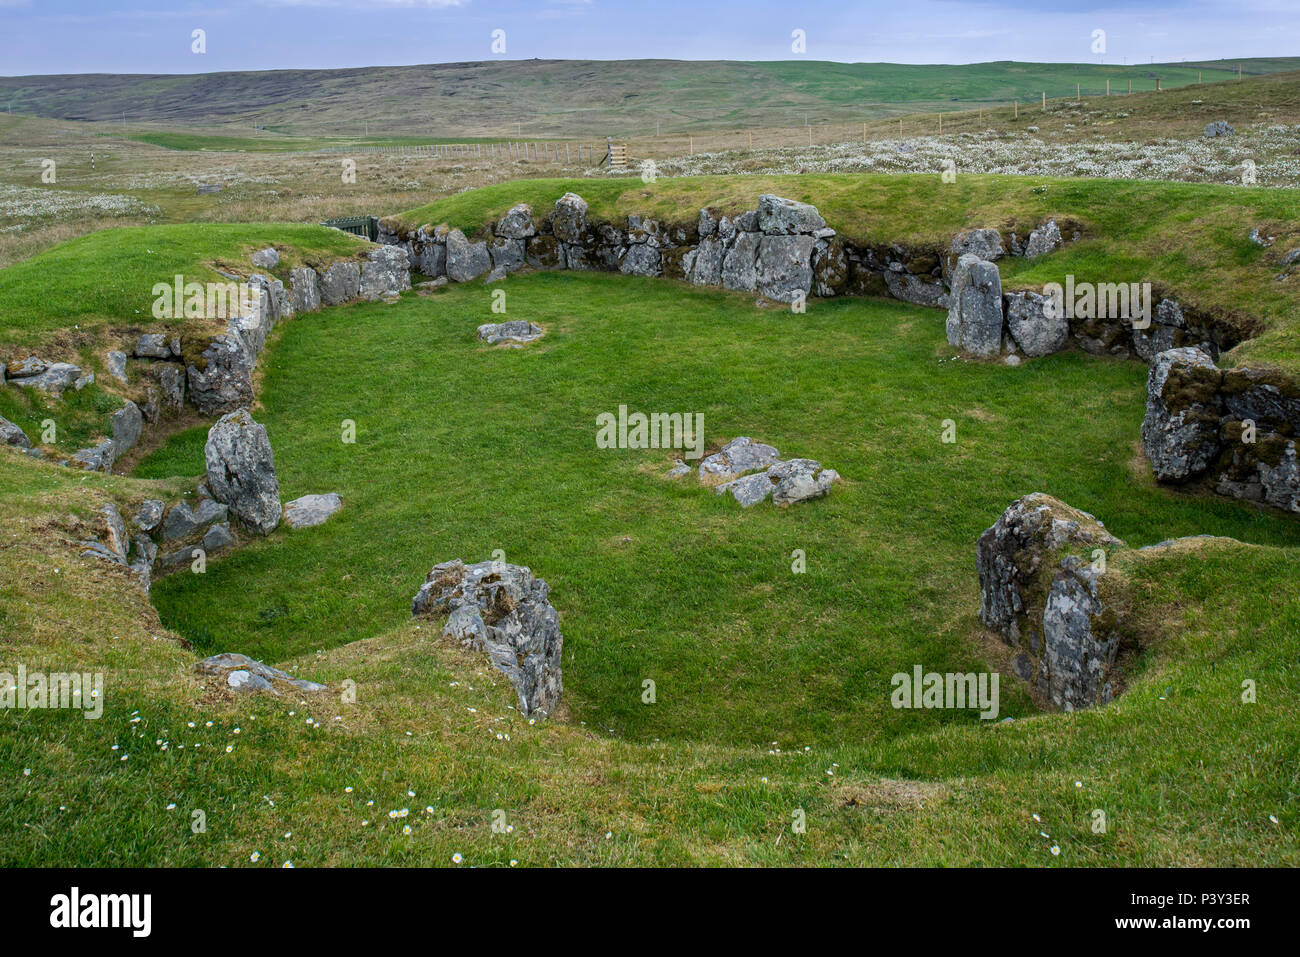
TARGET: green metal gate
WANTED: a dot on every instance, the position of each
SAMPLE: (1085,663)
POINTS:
(365,226)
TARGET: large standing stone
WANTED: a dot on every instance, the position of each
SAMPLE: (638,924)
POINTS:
(785,267)
(241,471)
(569,221)
(975,312)
(1034,324)
(503,610)
(340,283)
(466,260)
(786,217)
(1180,433)
(1041,590)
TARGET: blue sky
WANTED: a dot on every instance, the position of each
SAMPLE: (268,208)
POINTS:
(154,36)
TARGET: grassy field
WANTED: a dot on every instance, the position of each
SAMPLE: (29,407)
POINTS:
(547,98)
(773,687)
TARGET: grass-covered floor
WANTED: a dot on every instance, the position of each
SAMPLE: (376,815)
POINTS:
(463,449)
(773,688)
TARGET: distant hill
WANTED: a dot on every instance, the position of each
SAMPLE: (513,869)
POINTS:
(578,97)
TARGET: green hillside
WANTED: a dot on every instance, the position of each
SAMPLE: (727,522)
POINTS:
(578,97)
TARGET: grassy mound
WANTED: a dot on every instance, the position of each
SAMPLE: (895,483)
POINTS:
(106,278)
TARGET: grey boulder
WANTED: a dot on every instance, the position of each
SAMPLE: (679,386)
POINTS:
(742,454)
(515,330)
(340,283)
(1034,324)
(785,267)
(517,223)
(241,471)
(503,610)
(1180,432)
(466,260)
(974,322)
(12,435)
(265,258)
(786,217)
(311,510)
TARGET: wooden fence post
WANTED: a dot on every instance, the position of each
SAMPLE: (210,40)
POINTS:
(1015,105)
(1108,87)
(1044,101)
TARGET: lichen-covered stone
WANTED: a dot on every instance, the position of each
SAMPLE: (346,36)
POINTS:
(1034,325)
(975,319)
(241,471)
(503,610)
(1180,433)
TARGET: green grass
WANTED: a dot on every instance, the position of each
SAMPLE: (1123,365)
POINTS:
(590,98)
(481,449)
(106,278)
(772,687)
(1189,239)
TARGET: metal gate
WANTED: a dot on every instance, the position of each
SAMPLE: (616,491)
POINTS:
(365,226)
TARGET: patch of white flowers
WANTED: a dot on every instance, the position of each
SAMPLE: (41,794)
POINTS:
(1271,148)
(28,202)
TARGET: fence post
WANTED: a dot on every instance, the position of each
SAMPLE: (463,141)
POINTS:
(1044,101)
(1108,87)
(1015,105)
(1078,92)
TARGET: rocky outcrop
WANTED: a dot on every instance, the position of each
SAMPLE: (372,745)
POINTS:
(975,317)
(241,471)
(1180,433)
(1042,591)
(503,610)
(1218,128)
(742,454)
(984,244)
(243,674)
(52,377)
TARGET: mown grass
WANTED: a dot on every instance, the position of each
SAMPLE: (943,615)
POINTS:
(772,687)
(1189,239)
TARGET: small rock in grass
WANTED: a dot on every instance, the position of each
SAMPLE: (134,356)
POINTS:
(311,510)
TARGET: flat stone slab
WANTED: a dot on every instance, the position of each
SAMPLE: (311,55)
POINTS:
(311,510)
(516,330)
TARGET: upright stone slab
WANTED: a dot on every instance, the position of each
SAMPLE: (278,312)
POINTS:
(975,312)
(241,471)
(1180,433)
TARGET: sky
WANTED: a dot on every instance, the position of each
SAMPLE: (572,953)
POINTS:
(158,36)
